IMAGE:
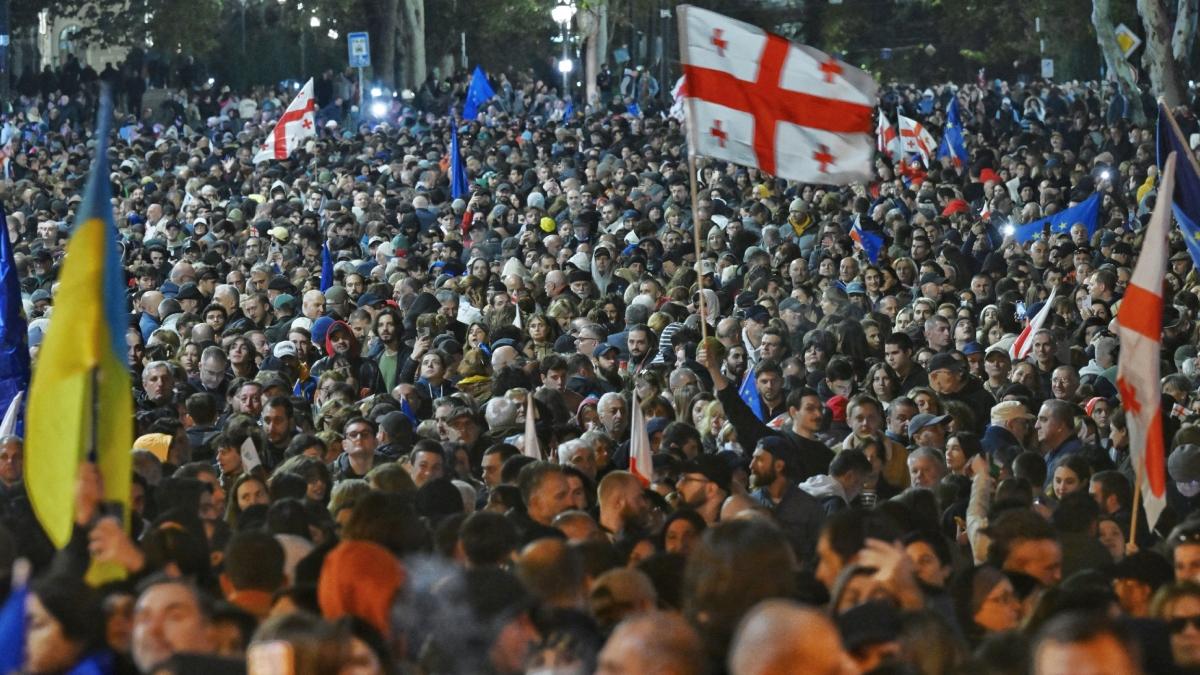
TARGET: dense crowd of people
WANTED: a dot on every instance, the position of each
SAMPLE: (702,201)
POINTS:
(852,473)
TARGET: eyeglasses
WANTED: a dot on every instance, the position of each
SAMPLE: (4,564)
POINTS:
(1179,624)
(691,479)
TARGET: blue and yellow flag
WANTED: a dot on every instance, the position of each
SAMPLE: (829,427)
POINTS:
(80,401)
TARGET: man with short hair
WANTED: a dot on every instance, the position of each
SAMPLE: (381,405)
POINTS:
(253,571)
(545,493)
(948,377)
(937,333)
(703,485)
(426,462)
(663,643)
(798,514)
(897,352)
(624,509)
(778,635)
(1056,432)
(847,472)
(358,450)
(613,412)
(580,455)
(928,431)
(1023,541)
(1079,642)
(278,425)
(12,465)
(171,617)
(158,387)
(926,468)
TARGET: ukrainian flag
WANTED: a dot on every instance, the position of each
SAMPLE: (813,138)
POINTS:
(80,403)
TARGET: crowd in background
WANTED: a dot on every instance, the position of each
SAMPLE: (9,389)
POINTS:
(852,473)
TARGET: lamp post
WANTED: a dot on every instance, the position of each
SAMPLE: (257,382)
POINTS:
(562,14)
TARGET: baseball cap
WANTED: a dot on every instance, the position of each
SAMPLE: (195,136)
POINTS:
(284,300)
(283,348)
(998,349)
(780,449)
(712,468)
(604,348)
(944,362)
(758,313)
(1007,410)
(922,420)
(972,348)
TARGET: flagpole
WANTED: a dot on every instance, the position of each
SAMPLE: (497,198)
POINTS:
(693,145)
(1137,501)
(696,239)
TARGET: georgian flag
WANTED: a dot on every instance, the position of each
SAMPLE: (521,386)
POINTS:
(915,138)
(755,99)
(886,140)
(1024,342)
(1140,329)
(296,124)
(641,460)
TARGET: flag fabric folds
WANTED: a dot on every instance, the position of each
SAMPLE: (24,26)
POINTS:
(748,392)
(886,140)
(1186,198)
(755,99)
(953,145)
(915,138)
(870,242)
(478,93)
(1086,212)
(295,125)
(14,351)
(458,171)
(326,267)
(530,446)
(79,401)
(1024,342)
(12,621)
(641,460)
(1139,322)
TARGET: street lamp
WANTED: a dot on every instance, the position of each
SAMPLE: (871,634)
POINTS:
(562,14)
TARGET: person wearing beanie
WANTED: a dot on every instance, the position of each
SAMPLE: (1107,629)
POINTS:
(360,579)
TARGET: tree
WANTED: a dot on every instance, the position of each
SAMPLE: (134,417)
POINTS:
(1118,67)
(1159,56)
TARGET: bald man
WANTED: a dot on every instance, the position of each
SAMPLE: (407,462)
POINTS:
(656,643)
(623,505)
(312,305)
(778,634)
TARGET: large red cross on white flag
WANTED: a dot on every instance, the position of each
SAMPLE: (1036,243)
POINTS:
(758,100)
(296,124)
(1139,322)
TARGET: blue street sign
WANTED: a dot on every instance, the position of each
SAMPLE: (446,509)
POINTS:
(359,45)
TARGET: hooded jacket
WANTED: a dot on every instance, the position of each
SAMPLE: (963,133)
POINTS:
(828,491)
(366,371)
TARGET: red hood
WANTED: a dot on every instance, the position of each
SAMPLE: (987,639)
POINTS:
(355,350)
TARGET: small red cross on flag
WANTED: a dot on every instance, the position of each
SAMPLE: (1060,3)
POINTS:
(295,125)
(717,133)
(718,42)
(755,99)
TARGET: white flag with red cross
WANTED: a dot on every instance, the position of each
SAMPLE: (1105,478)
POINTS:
(296,124)
(1140,329)
(886,140)
(758,100)
(915,138)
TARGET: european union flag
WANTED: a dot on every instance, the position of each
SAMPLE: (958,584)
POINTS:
(1186,200)
(326,267)
(458,172)
(12,629)
(870,242)
(749,393)
(953,145)
(478,93)
(14,352)
(1086,212)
